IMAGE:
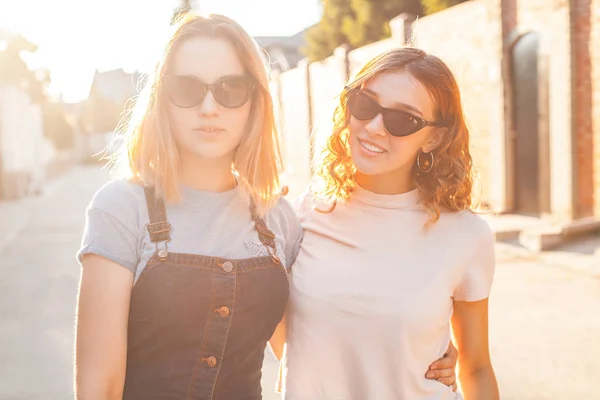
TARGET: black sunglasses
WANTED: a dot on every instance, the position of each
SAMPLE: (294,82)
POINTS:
(397,122)
(229,91)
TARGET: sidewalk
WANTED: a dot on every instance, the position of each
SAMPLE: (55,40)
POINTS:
(581,252)
(15,214)
(582,255)
(13,217)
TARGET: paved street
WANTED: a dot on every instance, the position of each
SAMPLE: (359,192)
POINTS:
(545,313)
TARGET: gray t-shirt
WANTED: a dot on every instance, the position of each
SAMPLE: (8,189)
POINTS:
(206,223)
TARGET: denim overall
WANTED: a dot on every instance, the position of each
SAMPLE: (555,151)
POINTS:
(198,325)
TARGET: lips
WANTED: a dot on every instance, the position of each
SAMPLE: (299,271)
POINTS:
(209,129)
(371,147)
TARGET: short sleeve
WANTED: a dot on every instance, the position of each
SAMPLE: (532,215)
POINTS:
(306,203)
(478,275)
(293,247)
(292,232)
(111,226)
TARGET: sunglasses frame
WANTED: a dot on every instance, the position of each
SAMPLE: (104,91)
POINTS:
(421,122)
(210,87)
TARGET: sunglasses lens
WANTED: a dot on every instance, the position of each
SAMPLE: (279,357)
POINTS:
(397,122)
(184,91)
(362,107)
(233,92)
(400,123)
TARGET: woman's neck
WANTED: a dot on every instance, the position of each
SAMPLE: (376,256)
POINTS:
(392,182)
(211,175)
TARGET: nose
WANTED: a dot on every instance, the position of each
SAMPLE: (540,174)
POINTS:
(209,105)
(375,127)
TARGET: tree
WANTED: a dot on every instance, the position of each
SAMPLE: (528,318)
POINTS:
(433,6)
(354,22)
(360,22)
(325,36)
(184,7)
(371,19)
(14,70)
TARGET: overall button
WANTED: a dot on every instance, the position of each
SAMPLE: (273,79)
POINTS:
(227,266)
(211,361)
(224,311)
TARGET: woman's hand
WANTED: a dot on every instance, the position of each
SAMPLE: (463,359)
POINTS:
(443,370)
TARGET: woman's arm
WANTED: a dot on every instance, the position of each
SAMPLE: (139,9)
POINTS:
(277,341)
(101,329)
(476,375)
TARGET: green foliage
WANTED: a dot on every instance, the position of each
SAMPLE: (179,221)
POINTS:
(433,6)
(371,19)
(360,22)
(354,22)
(324,37)
(184,7)
(14,70)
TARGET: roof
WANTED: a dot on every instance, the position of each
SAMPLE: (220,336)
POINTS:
(296,40)
(117,85)
(284,51)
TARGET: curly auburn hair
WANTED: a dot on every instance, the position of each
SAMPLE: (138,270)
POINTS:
(448,185)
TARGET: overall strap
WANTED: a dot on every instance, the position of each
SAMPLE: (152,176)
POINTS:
(159,228)
(266,236)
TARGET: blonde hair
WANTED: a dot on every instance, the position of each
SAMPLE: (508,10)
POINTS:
(151,151)
(448,185)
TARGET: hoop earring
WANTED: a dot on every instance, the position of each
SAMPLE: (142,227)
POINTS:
(426,165)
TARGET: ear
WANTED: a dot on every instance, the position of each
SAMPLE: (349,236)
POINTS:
(435,139)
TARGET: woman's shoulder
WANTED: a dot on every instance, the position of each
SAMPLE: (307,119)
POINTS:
(470,222)
(283,214)
(118,194)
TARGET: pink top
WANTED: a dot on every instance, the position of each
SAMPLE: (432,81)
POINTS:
(372,295)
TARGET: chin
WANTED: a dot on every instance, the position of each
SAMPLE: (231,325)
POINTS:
(369,166)
(211,151)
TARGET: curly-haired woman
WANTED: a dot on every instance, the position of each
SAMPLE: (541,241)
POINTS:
(392,257)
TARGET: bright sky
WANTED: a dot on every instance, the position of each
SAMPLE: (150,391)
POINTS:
(76,37)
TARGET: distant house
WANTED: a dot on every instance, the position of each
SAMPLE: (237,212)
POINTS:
(101,112)
(109,93)
(116,85)
(284,51)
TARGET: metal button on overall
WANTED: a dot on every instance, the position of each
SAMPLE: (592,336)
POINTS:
(224,311)
(211,361)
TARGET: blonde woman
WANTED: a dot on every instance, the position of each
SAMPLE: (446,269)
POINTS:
(185,265)
(392,257)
